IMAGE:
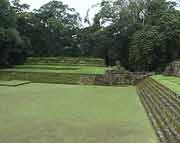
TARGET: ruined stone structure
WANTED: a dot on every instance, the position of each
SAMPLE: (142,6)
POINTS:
(114,77)
(173,69)
(163,108)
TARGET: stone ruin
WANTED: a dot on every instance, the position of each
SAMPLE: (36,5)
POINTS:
(114,77)
(173,69)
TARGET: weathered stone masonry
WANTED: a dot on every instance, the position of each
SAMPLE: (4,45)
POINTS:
(173,69)
(114,77)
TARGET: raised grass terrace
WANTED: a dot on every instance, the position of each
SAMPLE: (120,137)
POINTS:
(66,61)
(55,70)
(72,69)
(171,82)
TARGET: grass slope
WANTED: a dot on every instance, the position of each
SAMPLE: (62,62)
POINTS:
(171,82)
(13,83)
(64,74)
(59,69)
(51,113)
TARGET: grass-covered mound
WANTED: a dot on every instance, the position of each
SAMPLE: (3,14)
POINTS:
(60,69)
(172,82)
(66,73)
(46,113)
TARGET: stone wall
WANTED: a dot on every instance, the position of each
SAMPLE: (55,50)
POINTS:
(173,69)
(163,107)
(114,77)
(88,80)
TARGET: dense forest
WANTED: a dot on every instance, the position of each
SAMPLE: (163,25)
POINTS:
(144,35)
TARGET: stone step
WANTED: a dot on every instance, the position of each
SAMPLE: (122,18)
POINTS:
(163,115)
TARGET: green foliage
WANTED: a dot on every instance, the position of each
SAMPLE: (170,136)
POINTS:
(56,11)
(157,43)
(10,40)
(7,15)
(142,34)
(53,23)
(142,53)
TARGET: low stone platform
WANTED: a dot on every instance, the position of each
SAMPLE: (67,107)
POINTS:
(114,77)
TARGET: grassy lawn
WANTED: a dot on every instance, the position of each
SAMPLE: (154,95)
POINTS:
(59,69)
(51,113)
(171,82)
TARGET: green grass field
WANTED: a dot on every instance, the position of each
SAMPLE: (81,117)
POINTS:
(171,82)
(52,113)
(59,69)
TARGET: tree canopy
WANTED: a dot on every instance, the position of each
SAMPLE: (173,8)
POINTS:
(144,35)
(11,43)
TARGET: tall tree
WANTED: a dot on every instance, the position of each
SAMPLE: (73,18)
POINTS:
(156,44)
(53,23)
(10,41)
